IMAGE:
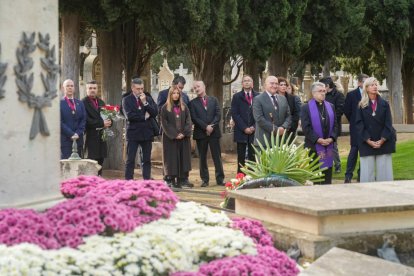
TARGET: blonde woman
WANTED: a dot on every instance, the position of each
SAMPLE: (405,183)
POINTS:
(376,135)
(176,125)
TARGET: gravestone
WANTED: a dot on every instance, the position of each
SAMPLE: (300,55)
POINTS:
(165,76)
(30,129)
(92,67)
(340,262)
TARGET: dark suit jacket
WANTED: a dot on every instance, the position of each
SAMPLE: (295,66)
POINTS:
(262,108)
(201,117)
(242,115)
(375,127)
(94,145)
(163,95)
(71,123)
(337,98)
(310,135)
(294,111)
(350,109)
(137,128)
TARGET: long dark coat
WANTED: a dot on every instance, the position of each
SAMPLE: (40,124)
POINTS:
(375,128)
(242,114)
(94,146)
(176,154)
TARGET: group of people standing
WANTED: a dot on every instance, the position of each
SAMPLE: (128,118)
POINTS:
(255,115)
(276,111)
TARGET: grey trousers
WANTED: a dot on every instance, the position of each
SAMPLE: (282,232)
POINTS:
(376,168)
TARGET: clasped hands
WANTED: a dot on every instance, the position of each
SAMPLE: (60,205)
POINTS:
(209,129)
(376,144)
(279,130)
(180,136)
(249,130)
(325,142)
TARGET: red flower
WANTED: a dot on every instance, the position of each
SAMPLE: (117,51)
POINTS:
(240,176)
(229,185)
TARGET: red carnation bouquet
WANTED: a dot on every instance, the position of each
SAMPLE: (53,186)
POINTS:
(109,112)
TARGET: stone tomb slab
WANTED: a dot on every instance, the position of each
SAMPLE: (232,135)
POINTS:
(340,262)
(332,209)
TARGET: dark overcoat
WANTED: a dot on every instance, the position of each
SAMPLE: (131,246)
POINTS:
(375,128)
(95,147)
(139,128)
(176,154)
(350,109)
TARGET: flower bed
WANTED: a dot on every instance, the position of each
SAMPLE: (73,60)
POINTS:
(185,239)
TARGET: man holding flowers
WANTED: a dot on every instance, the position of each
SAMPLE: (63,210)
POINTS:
(95,144)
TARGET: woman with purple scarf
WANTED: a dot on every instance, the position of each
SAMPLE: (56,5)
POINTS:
(320,128)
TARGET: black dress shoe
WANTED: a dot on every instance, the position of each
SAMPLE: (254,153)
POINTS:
(204,184)
(221,183)
(186,184)
(347,180)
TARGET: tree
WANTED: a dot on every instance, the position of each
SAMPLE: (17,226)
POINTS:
(390,25)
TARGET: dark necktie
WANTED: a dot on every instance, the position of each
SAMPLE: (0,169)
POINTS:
(275,104)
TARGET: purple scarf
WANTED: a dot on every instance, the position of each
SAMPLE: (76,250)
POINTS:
(325,153)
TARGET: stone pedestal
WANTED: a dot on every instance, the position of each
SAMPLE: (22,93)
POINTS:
(324,216)
(74,168)
(29,170)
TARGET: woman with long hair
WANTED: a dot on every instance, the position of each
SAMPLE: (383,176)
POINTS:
(176,125)
(376,135)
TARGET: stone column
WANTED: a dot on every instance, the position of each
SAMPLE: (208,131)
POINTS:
(307,82)
(30,124)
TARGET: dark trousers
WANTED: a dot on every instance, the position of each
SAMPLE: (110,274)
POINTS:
(327,179)
(202,146)
(132,147)
(351,163)
(242,156)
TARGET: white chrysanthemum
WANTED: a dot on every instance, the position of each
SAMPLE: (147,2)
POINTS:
(192,235)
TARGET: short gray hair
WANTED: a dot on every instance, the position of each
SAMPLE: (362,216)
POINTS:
(315,85)
(136,81)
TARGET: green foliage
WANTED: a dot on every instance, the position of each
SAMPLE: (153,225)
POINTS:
(389,19)
(285,159)
(336,28)
(174,60)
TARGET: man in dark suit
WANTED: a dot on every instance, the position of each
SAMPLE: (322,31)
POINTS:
(351,105)
(180,82)
(72,120)
(205,114)
(244,124)
(271,112)
(95,146)
(138,108)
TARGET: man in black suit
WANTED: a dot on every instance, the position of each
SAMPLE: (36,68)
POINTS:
(205,114)
(244,124)
(178,81)
(95,146)
(138,108)
(351,105)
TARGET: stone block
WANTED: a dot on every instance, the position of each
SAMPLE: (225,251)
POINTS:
(29,170)
(74,168)
(340,262)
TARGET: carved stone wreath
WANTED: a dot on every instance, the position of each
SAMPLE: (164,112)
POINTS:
(25,83)
(3,78)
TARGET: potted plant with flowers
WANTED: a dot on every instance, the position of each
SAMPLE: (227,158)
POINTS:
(279,163)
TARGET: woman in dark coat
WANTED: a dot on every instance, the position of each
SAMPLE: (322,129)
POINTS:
(176,125)
(376,135)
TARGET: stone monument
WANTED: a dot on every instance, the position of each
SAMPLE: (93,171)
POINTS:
(165,76)
(29,103)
